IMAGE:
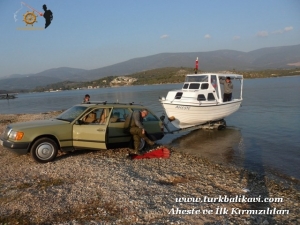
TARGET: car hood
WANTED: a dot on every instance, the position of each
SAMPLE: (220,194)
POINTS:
(37,123)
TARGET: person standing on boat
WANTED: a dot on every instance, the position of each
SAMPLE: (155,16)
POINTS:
(228,87)
(214,83)
(86,98)
(137,129)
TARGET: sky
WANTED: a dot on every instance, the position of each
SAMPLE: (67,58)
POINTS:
(92,34)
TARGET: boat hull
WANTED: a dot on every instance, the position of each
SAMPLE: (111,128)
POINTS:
(190,115)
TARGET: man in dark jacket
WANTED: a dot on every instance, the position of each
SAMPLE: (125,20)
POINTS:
(228,86)
(137,129)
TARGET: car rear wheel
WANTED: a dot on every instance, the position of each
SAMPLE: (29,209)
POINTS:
(142,144)
(44,150)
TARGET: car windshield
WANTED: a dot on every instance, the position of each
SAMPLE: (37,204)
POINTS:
(71,113)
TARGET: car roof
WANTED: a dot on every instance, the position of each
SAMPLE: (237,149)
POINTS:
(108,104)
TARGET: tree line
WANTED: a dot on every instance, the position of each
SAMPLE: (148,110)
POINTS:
(164,76)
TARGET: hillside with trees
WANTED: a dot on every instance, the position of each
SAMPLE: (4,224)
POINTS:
(159,76)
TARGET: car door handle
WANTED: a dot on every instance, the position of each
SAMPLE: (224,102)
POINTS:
(100,129)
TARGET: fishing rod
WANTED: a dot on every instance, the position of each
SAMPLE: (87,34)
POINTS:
(41,14)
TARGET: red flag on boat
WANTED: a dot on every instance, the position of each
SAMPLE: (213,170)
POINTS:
(157,153)
(196,66)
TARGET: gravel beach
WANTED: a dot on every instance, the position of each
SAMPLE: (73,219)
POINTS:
(106,187)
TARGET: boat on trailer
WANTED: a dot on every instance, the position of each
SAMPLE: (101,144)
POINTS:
(200,101)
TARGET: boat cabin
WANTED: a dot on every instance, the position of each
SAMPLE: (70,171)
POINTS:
(206,89)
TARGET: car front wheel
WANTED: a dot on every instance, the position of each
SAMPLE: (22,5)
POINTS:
(44,150)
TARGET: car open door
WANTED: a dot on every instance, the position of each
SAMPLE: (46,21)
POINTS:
(116,132)
(92,133)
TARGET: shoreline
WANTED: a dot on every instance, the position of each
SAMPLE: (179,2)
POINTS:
(93,187)
(248,78)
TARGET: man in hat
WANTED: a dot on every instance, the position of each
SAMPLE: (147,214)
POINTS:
(137,129)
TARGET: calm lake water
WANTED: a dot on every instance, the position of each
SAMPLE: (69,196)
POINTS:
(263,135)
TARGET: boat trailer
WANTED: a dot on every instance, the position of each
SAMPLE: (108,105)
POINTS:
(219,125)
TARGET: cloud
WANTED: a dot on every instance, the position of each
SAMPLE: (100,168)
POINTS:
(278,32)
(262,34)
(236,37)
(287,29)
(164,36)
(207,36)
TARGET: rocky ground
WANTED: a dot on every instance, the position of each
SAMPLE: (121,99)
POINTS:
(106,187)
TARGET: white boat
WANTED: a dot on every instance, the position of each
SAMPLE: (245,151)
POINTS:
(200,100)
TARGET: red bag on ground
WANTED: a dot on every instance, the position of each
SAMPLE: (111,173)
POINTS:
(157,153)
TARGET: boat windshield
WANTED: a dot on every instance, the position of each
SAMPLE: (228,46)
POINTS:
(71,113)
(202,78)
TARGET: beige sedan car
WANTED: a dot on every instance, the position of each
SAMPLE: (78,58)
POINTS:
(83,126)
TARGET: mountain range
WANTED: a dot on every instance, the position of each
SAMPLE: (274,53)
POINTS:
(284,57)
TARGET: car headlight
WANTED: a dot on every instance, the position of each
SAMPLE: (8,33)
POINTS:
(16,135)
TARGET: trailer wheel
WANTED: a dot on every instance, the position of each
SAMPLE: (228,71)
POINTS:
(221,127)
(44,150)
